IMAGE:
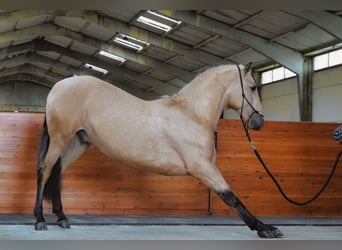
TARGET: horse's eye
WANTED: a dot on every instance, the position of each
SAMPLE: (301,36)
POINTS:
(253,88)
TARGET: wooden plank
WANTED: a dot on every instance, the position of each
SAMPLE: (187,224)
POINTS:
(299,154)
(94,184)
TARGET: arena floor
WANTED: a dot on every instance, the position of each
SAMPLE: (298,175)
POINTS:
(130,227)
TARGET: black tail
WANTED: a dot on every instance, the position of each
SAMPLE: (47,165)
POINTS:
(52,186)
(44,142)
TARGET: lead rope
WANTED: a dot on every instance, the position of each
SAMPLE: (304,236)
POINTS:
(259,157)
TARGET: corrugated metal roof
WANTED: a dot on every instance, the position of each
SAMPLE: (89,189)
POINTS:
(173,54)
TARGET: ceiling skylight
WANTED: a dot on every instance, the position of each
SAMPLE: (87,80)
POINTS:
(158,21)
(112,56)
(130,42)
(95,68)
(154,24)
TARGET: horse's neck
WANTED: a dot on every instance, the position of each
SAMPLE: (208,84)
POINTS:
(204,99)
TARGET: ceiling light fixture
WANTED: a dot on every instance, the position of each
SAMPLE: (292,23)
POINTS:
(96,68)
(112,56)
(160,22)
(130,42)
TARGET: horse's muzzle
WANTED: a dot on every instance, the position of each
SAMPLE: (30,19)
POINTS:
(337,135)
(255,121)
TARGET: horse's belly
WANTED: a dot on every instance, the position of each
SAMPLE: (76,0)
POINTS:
(156,166)
(139,141)
(154,159)
(166,169)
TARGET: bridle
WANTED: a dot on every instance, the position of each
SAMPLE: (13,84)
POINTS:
(244,99)
(256,152)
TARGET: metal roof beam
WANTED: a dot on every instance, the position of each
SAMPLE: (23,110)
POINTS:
(248,19)
(16,49)
(28,56)
(162,42)
(160,86)
(15,16)
(289,58)
(120,27)
(34,58)
(27,77)
(328,22)
(49,29)
(29,68)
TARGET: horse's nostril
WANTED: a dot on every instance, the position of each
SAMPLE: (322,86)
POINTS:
(256,121)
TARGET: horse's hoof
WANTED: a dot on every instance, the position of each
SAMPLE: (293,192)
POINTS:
(271,232)
(63,223)
(40,226)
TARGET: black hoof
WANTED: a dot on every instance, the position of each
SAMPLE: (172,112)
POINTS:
(40,226)
(270,232)
(63,223)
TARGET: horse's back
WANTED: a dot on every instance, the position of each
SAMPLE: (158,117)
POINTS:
(80,87)
(72,99)
(80,92)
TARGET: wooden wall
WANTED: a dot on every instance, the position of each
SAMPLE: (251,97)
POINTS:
(299,154)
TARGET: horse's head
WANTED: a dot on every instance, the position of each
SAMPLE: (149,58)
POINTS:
(244,98)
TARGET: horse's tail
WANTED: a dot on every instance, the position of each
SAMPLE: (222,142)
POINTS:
(52,185)
(44,142)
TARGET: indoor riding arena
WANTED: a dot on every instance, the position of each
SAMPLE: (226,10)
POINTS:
(153,125)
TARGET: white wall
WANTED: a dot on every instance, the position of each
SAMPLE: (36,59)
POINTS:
(280,100)
(327,95)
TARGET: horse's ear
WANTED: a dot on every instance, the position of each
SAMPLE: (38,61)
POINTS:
(248,67)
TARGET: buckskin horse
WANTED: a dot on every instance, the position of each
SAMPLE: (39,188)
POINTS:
(170,135)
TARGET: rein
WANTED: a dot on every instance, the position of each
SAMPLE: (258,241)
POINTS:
(256,152)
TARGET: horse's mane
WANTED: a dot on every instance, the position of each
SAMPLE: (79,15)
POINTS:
(204,76)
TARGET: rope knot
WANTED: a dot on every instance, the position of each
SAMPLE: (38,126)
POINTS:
(252,146)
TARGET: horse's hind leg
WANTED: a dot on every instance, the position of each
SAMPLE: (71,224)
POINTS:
(47,158)
(47,170)
(75,148)
(211,176)
(56,196)
(51,165)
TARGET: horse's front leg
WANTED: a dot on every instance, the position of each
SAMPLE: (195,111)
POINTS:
(211,176)
(264,231)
